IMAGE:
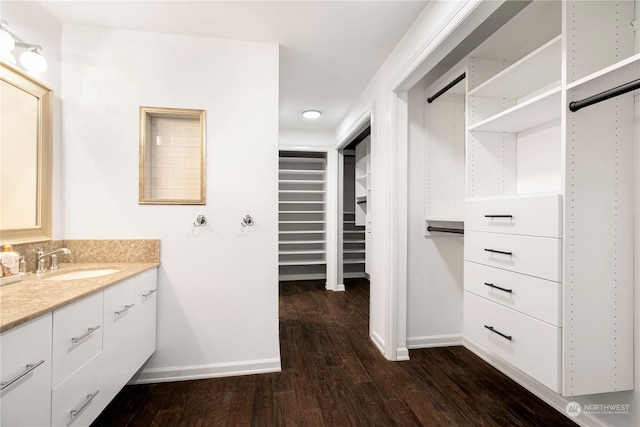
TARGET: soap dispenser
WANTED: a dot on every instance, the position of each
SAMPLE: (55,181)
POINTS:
(9,261)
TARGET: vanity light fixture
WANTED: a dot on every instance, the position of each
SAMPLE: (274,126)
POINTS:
(311,114)
(30,59)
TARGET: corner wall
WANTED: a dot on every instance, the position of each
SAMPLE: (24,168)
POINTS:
(218,285)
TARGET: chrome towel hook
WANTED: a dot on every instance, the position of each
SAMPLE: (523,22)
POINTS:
(247,221)
(201,221)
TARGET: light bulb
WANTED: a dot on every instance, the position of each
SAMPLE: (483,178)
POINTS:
(7,44)
(311,114)
(33,61)
(8,57)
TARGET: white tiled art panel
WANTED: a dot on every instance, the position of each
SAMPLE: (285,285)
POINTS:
(175,159)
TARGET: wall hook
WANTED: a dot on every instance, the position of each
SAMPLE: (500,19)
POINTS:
(201,221)
(247,221)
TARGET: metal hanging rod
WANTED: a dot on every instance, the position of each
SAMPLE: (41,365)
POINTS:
(603,96)
(447,87)
(446,230)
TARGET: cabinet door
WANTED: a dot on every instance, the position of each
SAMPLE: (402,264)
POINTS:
(25,351)
(120,340)
(147,297)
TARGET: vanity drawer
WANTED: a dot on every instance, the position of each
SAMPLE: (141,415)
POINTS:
(77,336)
(25,371)
(535,297)
(535,256)
(522,341)
(80,398)
(528,215)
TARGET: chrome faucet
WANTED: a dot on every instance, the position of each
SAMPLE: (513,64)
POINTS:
(54,259)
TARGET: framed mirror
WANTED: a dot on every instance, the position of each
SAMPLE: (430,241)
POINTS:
(172,156)
(26,142)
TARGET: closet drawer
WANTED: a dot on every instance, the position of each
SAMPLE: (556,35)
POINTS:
(526,343)
(535,256)
(535,297)
(77,336)
(529,215)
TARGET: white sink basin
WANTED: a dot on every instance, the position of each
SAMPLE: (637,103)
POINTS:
(84,274)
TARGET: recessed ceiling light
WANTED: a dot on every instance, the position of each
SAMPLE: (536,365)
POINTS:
(311,114)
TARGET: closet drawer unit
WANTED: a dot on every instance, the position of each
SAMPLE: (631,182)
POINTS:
(522,341)
(535,256)
(532,296)
(528,215)
(77,336)
(80,398)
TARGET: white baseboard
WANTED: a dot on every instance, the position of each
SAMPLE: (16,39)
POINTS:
(377,341)
(288,277)
(402,354)
(434,341)
(550,397)
(340,288)
(197,372)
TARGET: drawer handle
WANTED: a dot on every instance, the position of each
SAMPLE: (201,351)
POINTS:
(498,332)
(76,412)
(491,285)
(86,334)
(148,294)
(494,251)
(498,216)
(124,310)
(30,367)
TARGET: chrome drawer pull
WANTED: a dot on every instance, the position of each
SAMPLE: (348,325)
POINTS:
(497,332)
(148,294)
(498,216)
(86,334)
(76,412)
(30,367)
(124,310)
(491,285)
(493,251)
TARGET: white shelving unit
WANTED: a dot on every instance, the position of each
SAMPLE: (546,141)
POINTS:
(302,216)
(444,122)
(363,179)
(353,247)
(550,190)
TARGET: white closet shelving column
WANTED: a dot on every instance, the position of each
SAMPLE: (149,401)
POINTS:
(302,216)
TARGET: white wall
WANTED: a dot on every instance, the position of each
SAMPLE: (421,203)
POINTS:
(389,206)
(33,24)
(291,139)
(218,285)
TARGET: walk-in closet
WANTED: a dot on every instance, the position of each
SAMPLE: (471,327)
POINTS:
(302,215)
(529,149)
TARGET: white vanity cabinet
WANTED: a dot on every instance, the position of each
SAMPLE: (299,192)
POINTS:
(129,329)
(77,358)
(25,362)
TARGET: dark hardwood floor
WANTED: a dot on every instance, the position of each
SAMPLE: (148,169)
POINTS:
(332,375)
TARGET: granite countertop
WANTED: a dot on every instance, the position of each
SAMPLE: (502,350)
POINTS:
(38,295)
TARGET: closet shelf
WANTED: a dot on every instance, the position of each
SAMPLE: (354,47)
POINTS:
(301,171)
(543,108)
(301,212)
(353,241)
(301,191)
(300,242)
(614,75)
(302,160)
(536,70)
(302,232)
(306,262)
(315,202)
(301,181)
(353,261)
(302,222)
(354,251)
(302,252)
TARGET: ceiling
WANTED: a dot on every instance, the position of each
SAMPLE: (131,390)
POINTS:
(329,50)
